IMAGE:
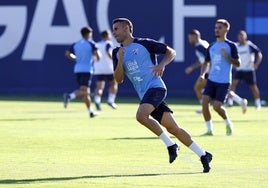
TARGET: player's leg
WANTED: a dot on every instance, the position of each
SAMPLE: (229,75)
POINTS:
(220,97)
(240,75)
(100,85)
(207,115)
(206,99)
(252,82)
(183,136)
(67,97)
(198,87)
(85,83)
(151,99)
(143,117)
(256,93)
(234,97)
(113,88)
(234,84)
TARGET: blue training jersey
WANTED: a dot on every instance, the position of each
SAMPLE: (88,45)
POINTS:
(221,69)
(139,56)
(200,50)
(83,50)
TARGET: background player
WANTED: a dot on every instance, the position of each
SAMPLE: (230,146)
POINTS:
(104,70)
(251,58)
(194,38)
(83,52)
(221,55)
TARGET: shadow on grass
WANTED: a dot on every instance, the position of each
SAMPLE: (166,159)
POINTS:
(58,98)
(25,181)
(25,119)
(135,138)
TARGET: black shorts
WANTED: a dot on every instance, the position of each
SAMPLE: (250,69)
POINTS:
(103,77)
(155,97)
(84,79)
(248,76)
(217,91)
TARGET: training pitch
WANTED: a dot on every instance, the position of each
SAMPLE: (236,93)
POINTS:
(44,145)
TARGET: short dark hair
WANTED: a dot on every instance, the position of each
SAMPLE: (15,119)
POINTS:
(195,32)
(85,31)
(125,21)
(224,22)
(105,33)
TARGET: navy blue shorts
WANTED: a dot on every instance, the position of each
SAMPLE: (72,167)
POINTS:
(155,97)
(83,79)
(248,76)
(217,91)
(103,77)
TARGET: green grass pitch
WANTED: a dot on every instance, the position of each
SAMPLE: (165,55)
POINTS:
(44,145)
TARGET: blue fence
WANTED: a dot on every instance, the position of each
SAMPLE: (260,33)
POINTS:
(34,35)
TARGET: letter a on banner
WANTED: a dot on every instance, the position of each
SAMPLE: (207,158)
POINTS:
(43,33)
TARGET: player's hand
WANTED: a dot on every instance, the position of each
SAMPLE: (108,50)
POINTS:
(224,52)
(202,77)
(121,53)
(188,70)
(158,70)
(256,66)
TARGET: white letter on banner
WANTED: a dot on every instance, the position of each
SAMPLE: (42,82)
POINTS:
(15,26)
(180,11)
(102,17)
(42,33)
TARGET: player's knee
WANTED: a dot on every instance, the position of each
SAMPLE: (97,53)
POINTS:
(217,107)
(142,118)
(99,92)
(197,88)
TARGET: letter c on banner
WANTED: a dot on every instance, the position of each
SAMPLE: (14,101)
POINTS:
(102,16)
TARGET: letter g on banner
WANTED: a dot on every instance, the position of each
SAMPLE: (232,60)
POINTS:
(15,26)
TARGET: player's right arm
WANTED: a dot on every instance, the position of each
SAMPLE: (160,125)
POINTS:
(119,71)
(206,65)
(192,67)
(204,69)
(70,55)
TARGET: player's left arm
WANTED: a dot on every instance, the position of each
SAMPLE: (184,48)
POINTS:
(97,54)
(109,50)
(169,55)
(234,58)
(257,54)
(258,60)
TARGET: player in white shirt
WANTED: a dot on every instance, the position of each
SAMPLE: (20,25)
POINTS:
(251,58)
(194,38)
(104,70)
(83,53)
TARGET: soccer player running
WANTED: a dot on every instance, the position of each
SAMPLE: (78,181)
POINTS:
(83,52)
(136,58)
(194,38)
(104,70)
(221,56)
(251,58)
